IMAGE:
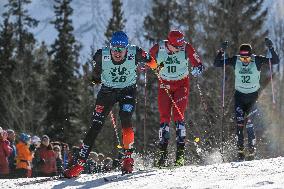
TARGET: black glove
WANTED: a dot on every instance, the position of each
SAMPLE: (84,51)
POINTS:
(224,45)
(268,43)
(32,147)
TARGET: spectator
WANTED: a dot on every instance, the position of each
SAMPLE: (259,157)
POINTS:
(5,152)
(35,144)
(24,156)
(116,165)
(45,158)
(12,158)
(73,155)
(100,165)
(59,161)
(91,163)
(65,152)
(107,164)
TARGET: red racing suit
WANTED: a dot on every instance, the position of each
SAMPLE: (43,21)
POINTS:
(177,87)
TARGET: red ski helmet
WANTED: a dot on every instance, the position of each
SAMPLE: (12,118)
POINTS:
(176,38)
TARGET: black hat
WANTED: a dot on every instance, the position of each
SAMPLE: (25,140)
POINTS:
(245,50)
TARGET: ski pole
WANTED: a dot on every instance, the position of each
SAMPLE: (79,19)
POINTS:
(169,95)
(115,129)
(271,77)
(172,100)
(223,104)
(145,108)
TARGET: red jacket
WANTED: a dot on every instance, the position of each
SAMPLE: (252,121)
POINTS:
(48,159)
(5,152)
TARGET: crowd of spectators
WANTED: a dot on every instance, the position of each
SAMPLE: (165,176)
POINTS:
(33,156)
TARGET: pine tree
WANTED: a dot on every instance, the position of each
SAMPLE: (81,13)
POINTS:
(7,66)
(160,22)
(23,21)
(236,21)
(116,22)
(21,97)
(62,121)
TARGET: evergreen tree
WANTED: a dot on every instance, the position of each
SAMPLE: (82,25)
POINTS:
(159,23)
(62,121)
(116,22)
(21,98)
(236,21)
(7,66)
(23,21)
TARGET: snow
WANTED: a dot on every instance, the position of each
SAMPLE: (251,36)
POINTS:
(261,174)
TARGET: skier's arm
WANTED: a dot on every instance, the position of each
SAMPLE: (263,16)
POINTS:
(194,59)
(219,60)
(145,58)
(97,63)
(260,60)
(192,56)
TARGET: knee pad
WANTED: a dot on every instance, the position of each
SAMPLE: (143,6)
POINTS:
(126,114)
(180,132)
(164,133)
(249,123)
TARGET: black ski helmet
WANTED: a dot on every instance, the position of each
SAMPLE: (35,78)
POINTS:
(245,49)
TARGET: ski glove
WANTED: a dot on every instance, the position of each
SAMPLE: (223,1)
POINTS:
(224,45)
(196,71)
(268,43)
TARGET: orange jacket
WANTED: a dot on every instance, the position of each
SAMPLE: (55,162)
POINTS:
(24,156)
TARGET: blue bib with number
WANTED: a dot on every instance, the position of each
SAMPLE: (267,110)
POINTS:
(247,76)
(122,75)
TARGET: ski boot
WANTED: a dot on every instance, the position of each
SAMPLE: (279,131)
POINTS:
(75,170)
(251,153)
(127,162)
(241,154)
(180,156)
(162,159)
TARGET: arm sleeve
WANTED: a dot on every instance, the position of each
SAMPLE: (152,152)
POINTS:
(219,60)
(260,60)
(192,56)
(144,57)
(97,63)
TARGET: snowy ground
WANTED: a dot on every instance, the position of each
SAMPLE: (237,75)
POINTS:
(261,174)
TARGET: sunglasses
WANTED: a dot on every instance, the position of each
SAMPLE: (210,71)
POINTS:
(177,47)
(245,59)
(118,49)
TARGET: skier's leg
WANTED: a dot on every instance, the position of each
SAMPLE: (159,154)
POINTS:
(251,107)
(105,101)
(239,113)
(164,105)
(162,154)
(127,106)
(180,97)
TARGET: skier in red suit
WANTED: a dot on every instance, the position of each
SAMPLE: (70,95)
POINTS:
(176,56)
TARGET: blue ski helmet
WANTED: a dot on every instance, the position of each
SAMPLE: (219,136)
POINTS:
(24,137)
(119,38)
